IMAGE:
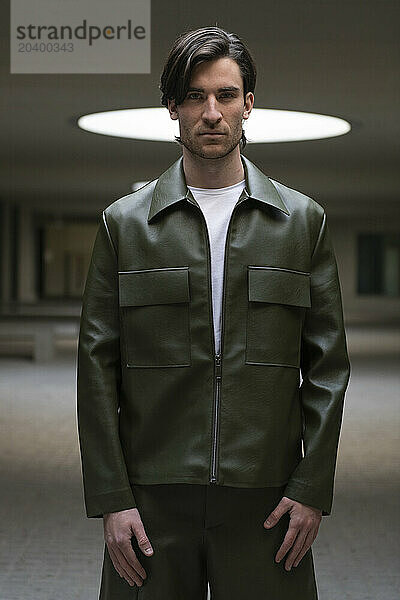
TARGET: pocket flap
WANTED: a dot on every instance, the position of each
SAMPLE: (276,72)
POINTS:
(153,286)
(280,286)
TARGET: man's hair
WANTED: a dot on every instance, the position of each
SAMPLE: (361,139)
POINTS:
(201,45)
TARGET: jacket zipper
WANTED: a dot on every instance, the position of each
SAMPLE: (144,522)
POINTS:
(217,359)
(217,356)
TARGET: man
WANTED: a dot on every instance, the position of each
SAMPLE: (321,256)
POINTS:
(211,289)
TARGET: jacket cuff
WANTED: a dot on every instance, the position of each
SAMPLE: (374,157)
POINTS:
(100,504)
(306,494)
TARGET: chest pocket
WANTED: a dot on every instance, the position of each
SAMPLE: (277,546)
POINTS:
(154,305)
(277,301)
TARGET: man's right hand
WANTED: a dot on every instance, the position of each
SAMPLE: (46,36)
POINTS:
(119,527)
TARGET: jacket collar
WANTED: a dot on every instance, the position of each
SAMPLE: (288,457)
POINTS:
(171,187)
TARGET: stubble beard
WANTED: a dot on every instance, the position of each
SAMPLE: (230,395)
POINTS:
(195,148)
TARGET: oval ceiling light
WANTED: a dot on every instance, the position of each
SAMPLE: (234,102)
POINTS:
(263,126)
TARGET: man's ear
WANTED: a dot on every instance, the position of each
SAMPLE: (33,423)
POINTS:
(173,113)
(247,111)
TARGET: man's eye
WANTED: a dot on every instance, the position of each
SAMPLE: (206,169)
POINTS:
(195,96)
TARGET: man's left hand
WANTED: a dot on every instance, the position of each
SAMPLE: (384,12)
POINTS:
(303,529)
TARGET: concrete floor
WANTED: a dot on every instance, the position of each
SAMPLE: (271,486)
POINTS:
(49,550)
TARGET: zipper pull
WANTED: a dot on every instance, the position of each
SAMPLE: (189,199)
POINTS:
(218,366)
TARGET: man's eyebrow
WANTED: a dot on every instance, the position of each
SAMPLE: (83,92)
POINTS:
(227,88)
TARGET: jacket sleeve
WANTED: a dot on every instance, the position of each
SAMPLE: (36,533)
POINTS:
(325,370)
(105,480)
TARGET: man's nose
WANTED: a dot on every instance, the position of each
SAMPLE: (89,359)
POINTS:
(211,112)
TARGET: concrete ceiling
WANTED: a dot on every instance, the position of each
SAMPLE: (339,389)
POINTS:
(334,57)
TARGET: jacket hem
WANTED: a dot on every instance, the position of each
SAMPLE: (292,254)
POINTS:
(303,492)
(204,481)
(113,501)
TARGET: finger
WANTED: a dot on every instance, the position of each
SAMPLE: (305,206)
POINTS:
(307,545)
(117,566)
(133,574)
(276,514)
(131,558)
(298,545)
(287,543)
(142,540)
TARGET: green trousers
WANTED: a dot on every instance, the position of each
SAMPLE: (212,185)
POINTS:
(211,533)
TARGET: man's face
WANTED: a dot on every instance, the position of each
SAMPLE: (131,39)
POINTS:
(208,107)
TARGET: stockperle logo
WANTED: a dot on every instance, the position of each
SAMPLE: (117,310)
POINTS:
(85,36)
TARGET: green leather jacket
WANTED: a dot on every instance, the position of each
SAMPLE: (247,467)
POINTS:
(155,404)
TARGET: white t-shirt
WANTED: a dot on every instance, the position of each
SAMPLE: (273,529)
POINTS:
(217,205)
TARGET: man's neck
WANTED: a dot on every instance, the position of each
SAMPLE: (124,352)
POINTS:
(212,173)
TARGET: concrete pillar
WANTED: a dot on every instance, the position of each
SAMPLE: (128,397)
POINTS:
(26,257)
(5,241)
